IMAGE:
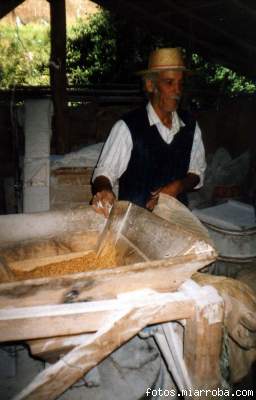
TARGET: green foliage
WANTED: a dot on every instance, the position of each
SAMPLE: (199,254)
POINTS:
(218,80)
(91,50)
(24,55)
(107,50)
(104,50)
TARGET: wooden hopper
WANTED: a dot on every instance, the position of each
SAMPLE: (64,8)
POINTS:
(50,257)
(53,286)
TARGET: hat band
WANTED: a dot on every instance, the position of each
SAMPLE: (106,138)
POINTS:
(167,66)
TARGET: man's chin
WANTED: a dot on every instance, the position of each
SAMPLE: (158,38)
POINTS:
(172,108)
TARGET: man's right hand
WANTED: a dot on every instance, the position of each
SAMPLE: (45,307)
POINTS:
(103,195)
(103,201)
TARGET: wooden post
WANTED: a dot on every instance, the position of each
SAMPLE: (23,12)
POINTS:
(58,75)
(203,341)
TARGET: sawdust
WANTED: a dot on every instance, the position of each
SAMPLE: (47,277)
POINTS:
(89,262)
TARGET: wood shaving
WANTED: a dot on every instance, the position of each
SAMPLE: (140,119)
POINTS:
(89,262)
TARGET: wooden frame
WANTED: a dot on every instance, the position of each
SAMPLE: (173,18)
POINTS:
(113,322)
(78,319)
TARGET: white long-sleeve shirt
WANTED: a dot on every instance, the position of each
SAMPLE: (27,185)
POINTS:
(116,152)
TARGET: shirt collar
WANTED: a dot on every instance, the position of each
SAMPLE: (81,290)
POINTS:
(153,118)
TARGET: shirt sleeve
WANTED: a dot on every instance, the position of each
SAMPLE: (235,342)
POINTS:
(197,159)
(116,153)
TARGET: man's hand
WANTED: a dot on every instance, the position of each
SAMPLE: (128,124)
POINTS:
(181,185)
(102,202)
(153,200)
(103,196)
(173,189)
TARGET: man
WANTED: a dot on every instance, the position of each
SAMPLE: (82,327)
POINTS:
(152,149)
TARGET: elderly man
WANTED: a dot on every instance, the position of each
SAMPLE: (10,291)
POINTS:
(155,148)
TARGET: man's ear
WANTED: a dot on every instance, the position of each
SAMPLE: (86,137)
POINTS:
(149,85)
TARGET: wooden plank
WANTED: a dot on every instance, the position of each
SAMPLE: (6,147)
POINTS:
(203,339)
(173,355)
(69,319)
(51,349)
(53,381)
(161,275)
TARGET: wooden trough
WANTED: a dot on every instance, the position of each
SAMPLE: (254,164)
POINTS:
(75,308)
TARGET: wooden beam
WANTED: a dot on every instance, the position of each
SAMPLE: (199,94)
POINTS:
(7,6)
(58,74)
(211,51)
(250,11)
(51,349)
(153,22)
(54,380)
(213,27)
(69,319)
(118,329)
(161,275)
(203,339)
(204,4)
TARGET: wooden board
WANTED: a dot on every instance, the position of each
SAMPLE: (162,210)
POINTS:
(69,319)
(51,349)
(135,311)
(203,338)
(54,380)
(161,275)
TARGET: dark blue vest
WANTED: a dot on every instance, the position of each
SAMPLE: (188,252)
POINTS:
(153,162)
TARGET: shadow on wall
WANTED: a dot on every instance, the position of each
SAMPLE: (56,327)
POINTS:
(231,127)
(91,123)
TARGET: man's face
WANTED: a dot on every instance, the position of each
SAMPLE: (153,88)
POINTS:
(166,91)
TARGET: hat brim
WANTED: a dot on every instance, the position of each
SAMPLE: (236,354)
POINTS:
(179,69)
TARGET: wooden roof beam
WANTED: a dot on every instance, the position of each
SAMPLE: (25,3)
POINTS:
(204,4)
(233,38)
(166,25)
(8,5)
(152,19)
(249,10)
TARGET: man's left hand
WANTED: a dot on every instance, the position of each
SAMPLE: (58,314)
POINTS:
(172,189)
(152,201)
(181,185)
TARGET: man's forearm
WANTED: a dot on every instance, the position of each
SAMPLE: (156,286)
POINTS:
(181,185)
(101,183)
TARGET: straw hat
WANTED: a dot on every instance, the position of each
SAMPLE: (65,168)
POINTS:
(165,59)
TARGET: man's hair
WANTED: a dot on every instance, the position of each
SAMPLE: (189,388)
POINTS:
(152,76)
